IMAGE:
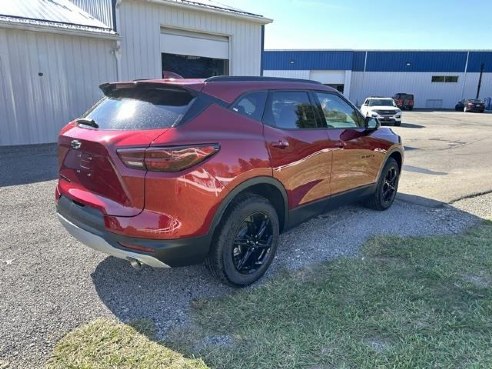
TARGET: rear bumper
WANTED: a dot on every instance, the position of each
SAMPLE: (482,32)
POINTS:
(87,226)
(100,244)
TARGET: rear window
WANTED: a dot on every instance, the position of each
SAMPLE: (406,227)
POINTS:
(404,96)
(140,108)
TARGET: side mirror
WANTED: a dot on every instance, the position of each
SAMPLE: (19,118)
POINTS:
(372,123)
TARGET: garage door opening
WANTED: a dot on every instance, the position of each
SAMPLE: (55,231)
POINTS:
(189,66)
(337,87)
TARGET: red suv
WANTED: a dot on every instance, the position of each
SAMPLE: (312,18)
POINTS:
(177,172)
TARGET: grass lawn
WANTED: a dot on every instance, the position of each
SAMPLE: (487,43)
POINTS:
(404,303)
(105,344)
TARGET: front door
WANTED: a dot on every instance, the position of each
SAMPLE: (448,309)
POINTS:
(355,163)
(300,149)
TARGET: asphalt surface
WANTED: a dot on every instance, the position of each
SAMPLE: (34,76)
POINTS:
(448,154)
(50,284)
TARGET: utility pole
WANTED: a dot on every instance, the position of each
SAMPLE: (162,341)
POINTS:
(482,66)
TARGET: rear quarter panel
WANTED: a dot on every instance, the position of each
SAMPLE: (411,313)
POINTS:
(194,195)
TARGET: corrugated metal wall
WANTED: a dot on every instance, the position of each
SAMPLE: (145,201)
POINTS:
(99,9)
(141,24)
(476,58)
(378,61)
(307,59)
(389,72)
(428,94)
(34,107)
(303,74)
(415,61)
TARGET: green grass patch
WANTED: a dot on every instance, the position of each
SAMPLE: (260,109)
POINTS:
(105,344)
(405,303)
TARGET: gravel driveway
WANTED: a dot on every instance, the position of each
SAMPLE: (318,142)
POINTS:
(51,284)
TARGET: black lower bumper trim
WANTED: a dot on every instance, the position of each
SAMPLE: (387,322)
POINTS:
(174,253)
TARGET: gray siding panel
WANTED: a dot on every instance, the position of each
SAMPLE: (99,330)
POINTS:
(33,108)
(141,24)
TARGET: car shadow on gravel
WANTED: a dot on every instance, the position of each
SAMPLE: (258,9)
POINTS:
(161,295)
(411,125)
(165,295)
(27,164)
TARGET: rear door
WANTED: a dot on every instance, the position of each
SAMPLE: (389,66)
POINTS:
(299,146)
(355,162)
(91,150)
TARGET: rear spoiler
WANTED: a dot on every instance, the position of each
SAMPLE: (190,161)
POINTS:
(110,87)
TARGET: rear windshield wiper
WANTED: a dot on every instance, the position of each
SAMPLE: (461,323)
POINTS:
(87,122)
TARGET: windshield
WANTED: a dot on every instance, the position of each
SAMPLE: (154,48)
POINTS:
(381,102)
(140,108)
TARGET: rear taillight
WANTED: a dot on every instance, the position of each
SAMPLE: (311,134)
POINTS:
(133,158)
(166,159)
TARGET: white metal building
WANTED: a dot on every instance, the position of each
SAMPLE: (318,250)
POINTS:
(437,79)
(55,53)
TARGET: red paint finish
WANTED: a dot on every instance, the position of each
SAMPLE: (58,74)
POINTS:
(94,174)
(136,201)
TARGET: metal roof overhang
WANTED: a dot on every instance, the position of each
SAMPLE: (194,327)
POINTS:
(250,17)
(57,28)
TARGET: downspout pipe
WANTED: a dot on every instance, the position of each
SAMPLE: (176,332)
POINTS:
(117,49)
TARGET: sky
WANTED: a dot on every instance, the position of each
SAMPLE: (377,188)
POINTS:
(374,24)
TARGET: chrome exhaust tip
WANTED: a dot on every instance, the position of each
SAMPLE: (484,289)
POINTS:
(136,264)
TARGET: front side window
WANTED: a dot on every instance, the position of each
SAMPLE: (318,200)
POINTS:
(338,113)
(290,110)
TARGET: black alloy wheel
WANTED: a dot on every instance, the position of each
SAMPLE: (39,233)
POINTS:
(246,241)
(390,186)
(252,243)
(387,187)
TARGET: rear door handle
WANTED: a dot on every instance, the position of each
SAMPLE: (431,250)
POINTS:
(281,144)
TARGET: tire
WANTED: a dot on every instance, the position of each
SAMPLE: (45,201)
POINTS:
(245,243)
(410,108)
(387,187)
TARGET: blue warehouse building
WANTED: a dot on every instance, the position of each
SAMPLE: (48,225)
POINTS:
(438,79)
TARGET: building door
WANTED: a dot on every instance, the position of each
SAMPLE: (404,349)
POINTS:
(191,66)
(194,55)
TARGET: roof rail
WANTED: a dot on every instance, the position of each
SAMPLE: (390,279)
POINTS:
(257,79)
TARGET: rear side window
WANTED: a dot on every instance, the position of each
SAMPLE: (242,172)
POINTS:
(141,108)
(290,110)
(251,105)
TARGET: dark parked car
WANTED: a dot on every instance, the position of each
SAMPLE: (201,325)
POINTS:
(404,100)
(177,172)
(470,105)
